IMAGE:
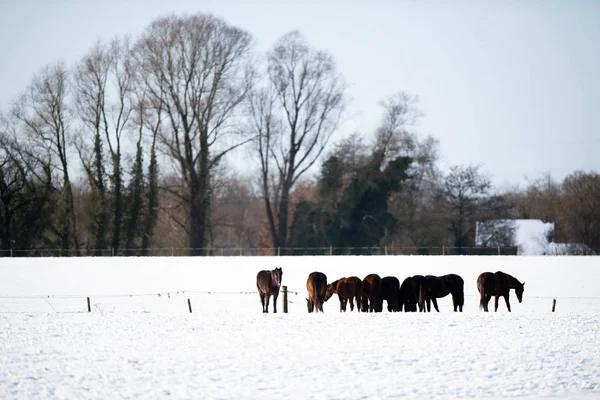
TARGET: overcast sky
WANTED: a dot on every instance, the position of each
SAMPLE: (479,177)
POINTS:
(514,86)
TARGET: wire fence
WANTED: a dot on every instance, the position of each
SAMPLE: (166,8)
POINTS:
(240,301)
(264,251)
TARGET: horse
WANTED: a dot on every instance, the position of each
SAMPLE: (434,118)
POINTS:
(268,283)
(498,284)
(442,286)
(372,291)
(406,296)
(390,286)
(419,287)
(316,284)
(347,289)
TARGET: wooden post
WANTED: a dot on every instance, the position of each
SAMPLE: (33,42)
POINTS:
(241,252)
(11,251)
(385,249)
(553,305)
(278,251)
(330,250)
(443,250)
(59,252)
(172,251)
(498,250)
(190,306)
(285,299)
(89,305)
(112,251)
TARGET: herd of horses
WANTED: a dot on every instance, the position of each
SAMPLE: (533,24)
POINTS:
(415,292)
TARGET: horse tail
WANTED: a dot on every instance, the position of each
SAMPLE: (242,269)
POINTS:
(481,298)
(421,301)
(460,296)
(359,293)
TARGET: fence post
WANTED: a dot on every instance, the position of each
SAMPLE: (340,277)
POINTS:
(89,306)
(330,250)
(285,299)
(498,250)
(553,305)
(241,252)
(385,249)
(443,250)
(60,252)
(278,251)
(190,306)
(11,251)
(112,251)
(172,251)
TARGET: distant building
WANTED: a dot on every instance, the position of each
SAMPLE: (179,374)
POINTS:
(570,249)
(531,236)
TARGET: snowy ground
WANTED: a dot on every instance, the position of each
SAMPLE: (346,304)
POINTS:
(137,344)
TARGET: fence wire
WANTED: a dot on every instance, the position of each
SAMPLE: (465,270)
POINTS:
(65,303)
(261,251)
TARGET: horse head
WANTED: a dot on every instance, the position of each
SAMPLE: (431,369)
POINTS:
(276,276)
(331,290)
(310,305)
(519,291)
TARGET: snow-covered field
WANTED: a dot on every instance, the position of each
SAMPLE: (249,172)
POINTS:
(140,341)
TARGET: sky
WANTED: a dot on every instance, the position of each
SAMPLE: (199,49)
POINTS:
(511,86)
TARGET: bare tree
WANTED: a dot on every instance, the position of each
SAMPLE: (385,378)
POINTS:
(197,68)
(582,207)
(293,117)
(466,197)
(45,115)
(104,82)
(26,201)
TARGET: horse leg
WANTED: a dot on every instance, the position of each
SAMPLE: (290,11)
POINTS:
(496,303)
(433,299)
(507,302)
(351,304)
(486,302)
(275,302)
(341,304)
(262,301)
(428,302)
(267,298)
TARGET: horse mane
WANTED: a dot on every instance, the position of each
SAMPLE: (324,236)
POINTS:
(512,281)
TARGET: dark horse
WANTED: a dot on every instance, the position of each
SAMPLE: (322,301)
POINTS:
(497,284)
(371,293)
(268,283)
(390,285)
(419,287)
(442,286)
(316,284)
(347,289)
(406,296)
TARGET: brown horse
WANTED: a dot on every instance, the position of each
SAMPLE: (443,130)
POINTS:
(347,289)
(442,286)
(497,284)
(390,286)
(372,293)
(316,284)
(268,283)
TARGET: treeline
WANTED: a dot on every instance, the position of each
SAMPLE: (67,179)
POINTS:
(127,151)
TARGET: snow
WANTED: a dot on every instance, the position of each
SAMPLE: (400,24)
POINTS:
(137,344)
